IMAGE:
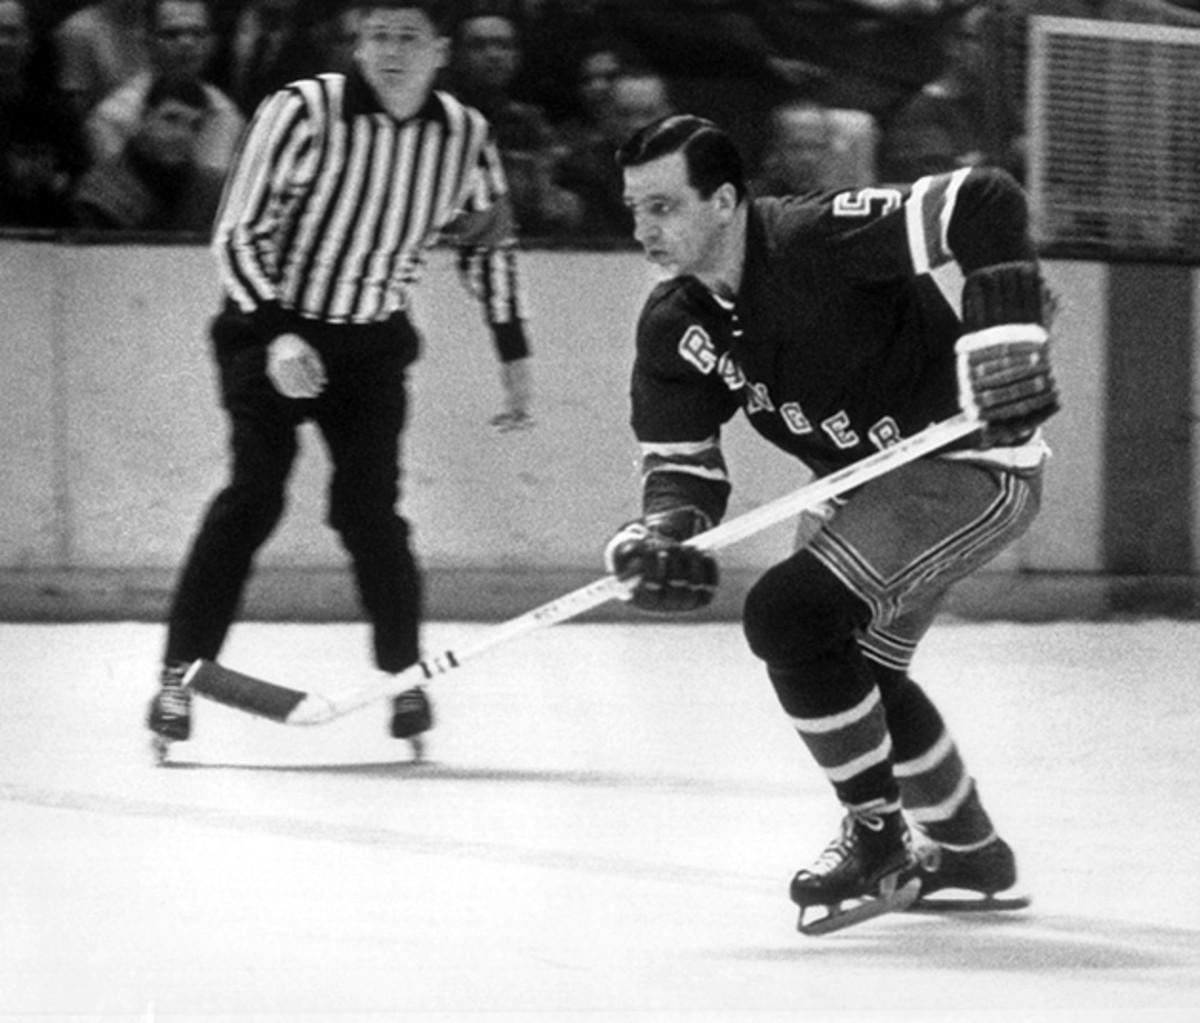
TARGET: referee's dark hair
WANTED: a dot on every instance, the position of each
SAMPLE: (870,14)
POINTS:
(436,10)
(711,157)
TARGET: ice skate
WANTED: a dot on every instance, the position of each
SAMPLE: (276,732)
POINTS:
(868,870)
(412,717)
(963,881)
(169,715)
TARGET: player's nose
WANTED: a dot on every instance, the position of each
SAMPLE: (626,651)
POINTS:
(644,232)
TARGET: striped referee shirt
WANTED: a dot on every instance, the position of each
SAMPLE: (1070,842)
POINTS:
(332,205)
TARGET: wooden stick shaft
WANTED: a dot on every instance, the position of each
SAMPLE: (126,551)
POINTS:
(297,707)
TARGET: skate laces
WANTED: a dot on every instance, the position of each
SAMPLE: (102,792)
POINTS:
(838,850)
(835,853)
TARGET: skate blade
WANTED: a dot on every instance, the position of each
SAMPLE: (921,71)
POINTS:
(970,902)
(855,911)
(160,748)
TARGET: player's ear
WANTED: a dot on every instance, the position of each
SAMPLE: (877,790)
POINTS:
(726,199)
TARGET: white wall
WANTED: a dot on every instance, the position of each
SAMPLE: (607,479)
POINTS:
(116,439)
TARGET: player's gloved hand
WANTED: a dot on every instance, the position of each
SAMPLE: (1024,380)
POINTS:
(671,577)
(294,367)
(1003,360)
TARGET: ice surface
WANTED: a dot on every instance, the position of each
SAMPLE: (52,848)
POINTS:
(604,830)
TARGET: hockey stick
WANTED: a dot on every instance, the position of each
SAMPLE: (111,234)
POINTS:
(296,707)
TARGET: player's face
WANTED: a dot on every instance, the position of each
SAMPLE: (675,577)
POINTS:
(679,229)
(400,52)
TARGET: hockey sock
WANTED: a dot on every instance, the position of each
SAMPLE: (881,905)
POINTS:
(802,622)
(850,744)
(937,791)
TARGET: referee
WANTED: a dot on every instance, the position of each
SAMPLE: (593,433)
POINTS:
(342,184)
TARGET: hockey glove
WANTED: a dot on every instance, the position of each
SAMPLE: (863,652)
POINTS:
(1003,361)
(671,577)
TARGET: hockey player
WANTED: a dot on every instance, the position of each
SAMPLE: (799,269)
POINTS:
(820,319)
(342,184)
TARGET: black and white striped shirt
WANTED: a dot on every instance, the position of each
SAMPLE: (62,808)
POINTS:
(332,205)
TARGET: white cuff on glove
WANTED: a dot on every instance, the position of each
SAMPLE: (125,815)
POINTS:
(996,357)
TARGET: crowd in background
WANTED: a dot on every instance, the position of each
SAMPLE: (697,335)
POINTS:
(125,114)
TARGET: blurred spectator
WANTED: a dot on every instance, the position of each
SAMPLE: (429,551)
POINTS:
(946,125)
(813,148)
(600,64)
(589,170)
(330,39)
(556,34)
(639,95)
(720,38)
(267,48)
(735,60)
(716,58)
(875,54)
(155,184)
(181,44)
(100,47)
(487,56)
(41,146)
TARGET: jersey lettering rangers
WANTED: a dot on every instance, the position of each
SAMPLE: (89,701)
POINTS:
(839,341)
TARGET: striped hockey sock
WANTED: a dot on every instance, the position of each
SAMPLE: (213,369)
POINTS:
(851,745)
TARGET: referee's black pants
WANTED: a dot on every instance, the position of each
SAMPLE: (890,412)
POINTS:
(361,415)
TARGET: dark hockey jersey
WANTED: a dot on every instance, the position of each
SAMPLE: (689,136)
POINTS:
(839,341)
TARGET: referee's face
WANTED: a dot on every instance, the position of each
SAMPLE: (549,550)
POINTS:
(400,52)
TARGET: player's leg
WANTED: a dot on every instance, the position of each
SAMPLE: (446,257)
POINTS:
(977,512)
(803,622)
(362,416)
(957,843)
(935,788)
(235,525)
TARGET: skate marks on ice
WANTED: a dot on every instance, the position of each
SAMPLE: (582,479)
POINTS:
(593,825)
(1026,941)
(1047,967)
(983,941)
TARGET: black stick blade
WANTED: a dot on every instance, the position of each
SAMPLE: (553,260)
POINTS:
(243,692)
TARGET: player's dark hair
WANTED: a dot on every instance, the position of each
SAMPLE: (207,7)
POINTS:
(711,157)
(435,10)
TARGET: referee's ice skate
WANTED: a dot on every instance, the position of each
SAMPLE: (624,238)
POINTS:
(868,870)
(169,716)
(412,717)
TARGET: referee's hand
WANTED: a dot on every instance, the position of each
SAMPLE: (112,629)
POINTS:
(294,367)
